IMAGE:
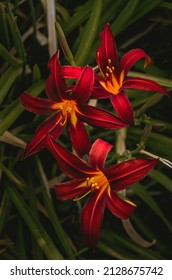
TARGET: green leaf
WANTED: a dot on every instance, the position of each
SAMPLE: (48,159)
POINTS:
(61,234)
(7,80)
(42,238)
(80,15)
(122,243)
(161,178)
(147,198)
(4,33)
(36,76)
(16,35)
(7,56)
(4,210)
(126,13)
(8,116)
(89,33)
(143,8)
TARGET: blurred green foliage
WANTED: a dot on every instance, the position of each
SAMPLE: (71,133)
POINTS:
(33,224)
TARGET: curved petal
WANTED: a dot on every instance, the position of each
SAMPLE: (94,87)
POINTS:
(79,138)
(144,84)
(131,57)
(123,107)
(99,152)
(98,91)
(56,73)
(91,218)
(72,72)
(38,141)
(71,189)
(36,104)
(70,164)
(84,85)
(119,207)
(126,173)
(99,117)
(51,89)
(107,51)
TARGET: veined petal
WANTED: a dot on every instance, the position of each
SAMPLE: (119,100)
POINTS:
(38,141)
(131,57)
(98,91)
(99,117)
(144,84)
(72,72)
(91,218)
(57,75)
(84,85)
(107,51)
(71,165)
(119,207)
(36,104)
(79,138)
(51,89)
(126,173)
(99,152)
(123,107)
(71,189)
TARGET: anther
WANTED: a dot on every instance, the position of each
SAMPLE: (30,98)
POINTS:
(109,60)
(68,109)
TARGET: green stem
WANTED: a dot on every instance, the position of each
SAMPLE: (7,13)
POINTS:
(64,240)
(40,235)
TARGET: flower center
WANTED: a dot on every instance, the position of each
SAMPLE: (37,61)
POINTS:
(112,82)
(67,110)
(97,183)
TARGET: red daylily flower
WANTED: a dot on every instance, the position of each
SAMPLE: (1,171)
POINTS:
(67,106)
(101,183)
(114,72)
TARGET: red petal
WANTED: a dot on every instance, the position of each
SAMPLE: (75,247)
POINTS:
(123,107)
(91,218)
(85,85)
(124,174)
(99,152)
(36,104)
(144,84)
(98,91)
(72,72)
(107,50)
(119,207)
(38,142)
(79,138)
(100,118)
(131,57)
(71,189)
(56,72)
(71,165)
(51,89)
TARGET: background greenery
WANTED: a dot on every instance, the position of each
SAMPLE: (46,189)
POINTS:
(33,224)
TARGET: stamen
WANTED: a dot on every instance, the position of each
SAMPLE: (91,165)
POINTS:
(68,110)
(109,60)
(78,198)
(64,119)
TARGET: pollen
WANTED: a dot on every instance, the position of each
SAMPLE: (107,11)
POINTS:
(67,110)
